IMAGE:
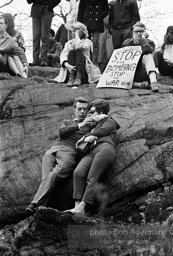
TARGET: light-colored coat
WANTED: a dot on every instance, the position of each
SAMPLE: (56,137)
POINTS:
(87,47)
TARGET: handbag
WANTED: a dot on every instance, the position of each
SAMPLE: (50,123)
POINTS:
(83,146)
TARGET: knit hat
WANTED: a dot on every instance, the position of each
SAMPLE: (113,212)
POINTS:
(169,29)
(101,105)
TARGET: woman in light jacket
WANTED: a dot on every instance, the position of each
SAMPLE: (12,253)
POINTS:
(77,67)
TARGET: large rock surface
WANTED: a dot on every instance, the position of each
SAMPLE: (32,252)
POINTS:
(31,111)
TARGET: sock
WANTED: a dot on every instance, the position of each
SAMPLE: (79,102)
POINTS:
(152,77)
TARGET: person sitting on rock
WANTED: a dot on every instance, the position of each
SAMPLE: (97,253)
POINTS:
(55,49)
(60,160)
(146,69)
(19,39)
(77,67)
(9,48)
(164,57)
(97,160)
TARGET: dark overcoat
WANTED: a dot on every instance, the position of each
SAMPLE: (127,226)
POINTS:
(92,13)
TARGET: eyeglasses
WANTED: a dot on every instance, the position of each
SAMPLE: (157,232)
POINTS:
(139,31)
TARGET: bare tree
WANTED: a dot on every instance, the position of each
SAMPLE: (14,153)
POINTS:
(9,2)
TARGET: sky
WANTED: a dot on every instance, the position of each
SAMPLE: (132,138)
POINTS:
(157,15)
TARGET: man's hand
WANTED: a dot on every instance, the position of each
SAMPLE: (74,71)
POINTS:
(87,121)
(168,62)
(0,56)
(142,41)
(90,138)
(70,68)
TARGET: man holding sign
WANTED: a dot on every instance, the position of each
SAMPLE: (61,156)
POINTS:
(146,70)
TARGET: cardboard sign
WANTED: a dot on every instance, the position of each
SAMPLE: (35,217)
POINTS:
(120,70)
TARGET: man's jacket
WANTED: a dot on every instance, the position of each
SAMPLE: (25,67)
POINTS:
(123,14)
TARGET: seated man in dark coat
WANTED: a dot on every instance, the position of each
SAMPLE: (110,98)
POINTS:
(146,69)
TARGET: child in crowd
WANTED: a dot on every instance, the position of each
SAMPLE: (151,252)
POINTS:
(55,49)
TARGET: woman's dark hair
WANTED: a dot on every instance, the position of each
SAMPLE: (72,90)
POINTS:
(101,105)
(167,38)
(10,24)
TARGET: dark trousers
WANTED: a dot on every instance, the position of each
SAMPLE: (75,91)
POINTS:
(119,36)
(41,27)
(162,66)
(76,58)
(90,169)
(54,170)
(94,36)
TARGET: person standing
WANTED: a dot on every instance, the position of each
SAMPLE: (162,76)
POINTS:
(123,15)
(42,14)
(92,13)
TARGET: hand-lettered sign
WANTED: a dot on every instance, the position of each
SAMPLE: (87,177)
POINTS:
(120,70)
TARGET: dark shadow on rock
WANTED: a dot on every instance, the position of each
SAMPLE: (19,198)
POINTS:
(62,195)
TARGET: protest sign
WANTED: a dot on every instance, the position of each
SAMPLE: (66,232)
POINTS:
(121,67)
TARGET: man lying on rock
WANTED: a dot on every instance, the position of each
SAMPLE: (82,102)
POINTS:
(145,75)
(8,47)
(60,160)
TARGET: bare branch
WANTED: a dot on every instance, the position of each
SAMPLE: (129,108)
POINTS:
(10,1)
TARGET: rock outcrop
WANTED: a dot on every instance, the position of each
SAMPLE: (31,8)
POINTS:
(31,111)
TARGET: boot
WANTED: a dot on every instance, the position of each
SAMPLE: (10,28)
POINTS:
(71,80)
(77,81)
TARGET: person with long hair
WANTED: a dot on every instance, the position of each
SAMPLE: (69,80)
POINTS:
(14,62)
(9,48)
(164,56)
(75,59)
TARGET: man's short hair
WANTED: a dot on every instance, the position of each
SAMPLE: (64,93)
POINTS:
(139,24)
(2,17)
(101,105)
(81,100)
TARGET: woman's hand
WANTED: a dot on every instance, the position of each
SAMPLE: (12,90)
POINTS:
(70,68)
(76,39)
(99,117)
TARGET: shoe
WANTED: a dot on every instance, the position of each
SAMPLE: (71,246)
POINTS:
(154,87)
(31,209)
(142,85)
(77,82)
(34,64)
(71,80)
(44,64)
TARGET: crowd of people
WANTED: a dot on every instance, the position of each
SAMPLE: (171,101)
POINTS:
(80,46)
(79,49)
